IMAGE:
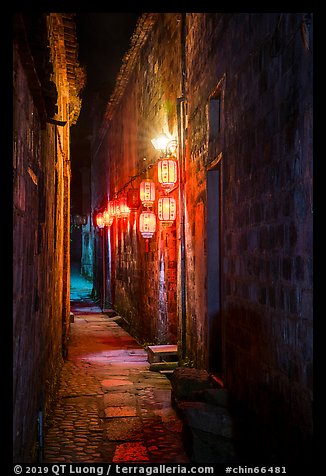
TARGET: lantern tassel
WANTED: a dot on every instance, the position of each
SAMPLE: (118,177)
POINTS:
(146,245)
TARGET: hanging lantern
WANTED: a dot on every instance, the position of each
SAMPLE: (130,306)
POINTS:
(124,209)
(117,209)
(100,220)
(147,192)
(147,225)
(111,208)
(133,200)
(167,170)
(108,219)
(166,208)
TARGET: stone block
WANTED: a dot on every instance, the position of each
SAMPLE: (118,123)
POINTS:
(217,396)
(206,448)
(209,418)
(117,399)
(119,412)
(185,381)
(110,312)
(159,353)
(124,429)
(166,366)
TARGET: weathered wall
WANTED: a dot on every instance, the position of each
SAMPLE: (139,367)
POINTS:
(87,245)
(259,66)
(265,71)
(40,231)
(143,285)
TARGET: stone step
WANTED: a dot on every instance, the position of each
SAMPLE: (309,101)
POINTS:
(162,353)
(167,372)
(163,366)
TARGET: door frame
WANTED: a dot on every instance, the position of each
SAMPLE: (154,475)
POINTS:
(216,165)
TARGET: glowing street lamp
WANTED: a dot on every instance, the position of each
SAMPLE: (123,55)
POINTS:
(165,144)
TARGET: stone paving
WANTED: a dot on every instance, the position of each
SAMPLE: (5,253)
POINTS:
(110,407)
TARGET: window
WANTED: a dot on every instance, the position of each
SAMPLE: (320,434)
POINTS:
(214,117)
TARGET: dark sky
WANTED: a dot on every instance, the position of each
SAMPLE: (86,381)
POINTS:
(103,39)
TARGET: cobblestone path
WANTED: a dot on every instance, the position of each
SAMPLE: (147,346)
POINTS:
(110,407)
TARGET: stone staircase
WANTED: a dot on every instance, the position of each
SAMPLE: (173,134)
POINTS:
(203,406)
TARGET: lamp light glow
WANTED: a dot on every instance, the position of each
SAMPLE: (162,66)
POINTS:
(147,225)
(133,200)
(107,218)
(124,209)
(166,207)
(167,172)
(147,192)
(167,145)
(100,220)
(161,141)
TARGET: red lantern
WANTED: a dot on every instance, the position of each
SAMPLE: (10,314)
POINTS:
(100,220)
(111,208)
(167,170)
(147,192)
(147,225)
(107,218)
(124,209)
(133,200)
(117,209)
(166,208)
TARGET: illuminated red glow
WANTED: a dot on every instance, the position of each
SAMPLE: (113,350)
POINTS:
(107,218)
(147,192)
(147,224)
(100,220)
(114,207)
(166,208)
(124,209)
(167,172)
(133,200)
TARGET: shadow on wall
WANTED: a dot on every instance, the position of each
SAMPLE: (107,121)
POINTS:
(75,245)
(273,407)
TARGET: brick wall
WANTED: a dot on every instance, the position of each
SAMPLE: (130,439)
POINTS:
(266,249)
(37,312)
(41,237)
(259,67)
(143,284)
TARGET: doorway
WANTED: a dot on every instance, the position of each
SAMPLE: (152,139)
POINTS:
(214,309)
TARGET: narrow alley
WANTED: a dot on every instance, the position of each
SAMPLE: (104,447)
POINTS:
(163,238)
(110,407)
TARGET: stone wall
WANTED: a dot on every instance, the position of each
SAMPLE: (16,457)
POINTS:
(143,284)
(41,224)
(263,70)
(248,88)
